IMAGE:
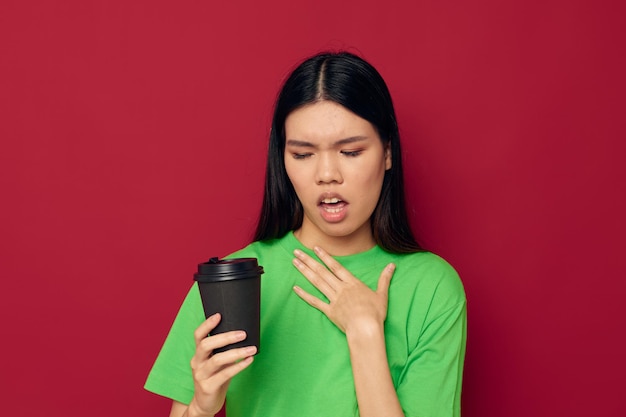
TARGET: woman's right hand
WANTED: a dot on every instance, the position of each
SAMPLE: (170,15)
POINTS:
(212,372)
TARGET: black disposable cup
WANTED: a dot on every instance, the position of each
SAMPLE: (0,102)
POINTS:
(232,287)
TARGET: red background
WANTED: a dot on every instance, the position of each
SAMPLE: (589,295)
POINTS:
(133,138)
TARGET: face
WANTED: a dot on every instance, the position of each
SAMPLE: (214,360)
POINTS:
(336,163)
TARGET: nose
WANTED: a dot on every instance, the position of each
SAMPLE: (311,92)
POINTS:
(328,170)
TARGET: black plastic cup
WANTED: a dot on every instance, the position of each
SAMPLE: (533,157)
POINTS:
(232,287)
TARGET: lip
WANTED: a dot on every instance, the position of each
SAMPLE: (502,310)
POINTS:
(329,194)
(332,213)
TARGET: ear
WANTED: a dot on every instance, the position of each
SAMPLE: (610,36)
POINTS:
(388,156)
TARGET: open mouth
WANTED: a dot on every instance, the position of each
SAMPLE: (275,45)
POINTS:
(332,204)
(333,200)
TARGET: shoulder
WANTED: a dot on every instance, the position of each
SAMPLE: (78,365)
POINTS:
(426,264)
(428,275)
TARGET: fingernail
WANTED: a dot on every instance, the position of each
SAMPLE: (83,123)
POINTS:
(240,335)
(251,350)
(297,252)
(317,249)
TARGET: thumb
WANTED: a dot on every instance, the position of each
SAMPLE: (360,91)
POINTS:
(385,280)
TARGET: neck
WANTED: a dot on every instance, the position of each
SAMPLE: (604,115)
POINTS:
(359,241)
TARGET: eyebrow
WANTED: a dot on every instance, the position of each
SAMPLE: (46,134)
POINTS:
(305,144)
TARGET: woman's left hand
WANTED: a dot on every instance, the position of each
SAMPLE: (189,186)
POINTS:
(352,305)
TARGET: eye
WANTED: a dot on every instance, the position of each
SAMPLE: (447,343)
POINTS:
(352,153)
(301,155)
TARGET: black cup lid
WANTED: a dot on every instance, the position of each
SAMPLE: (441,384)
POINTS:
(228,269)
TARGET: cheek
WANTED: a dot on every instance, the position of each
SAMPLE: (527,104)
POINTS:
(370,173)
(289,170)
(370,182)
(296,178)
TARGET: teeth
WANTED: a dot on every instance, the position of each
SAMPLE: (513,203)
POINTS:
(330,200)
(332,210)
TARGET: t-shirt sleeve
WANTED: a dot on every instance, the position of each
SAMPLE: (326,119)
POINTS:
(431,381)
(171,374)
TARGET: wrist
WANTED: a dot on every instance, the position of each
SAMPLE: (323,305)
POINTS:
(194,411)
(365,332)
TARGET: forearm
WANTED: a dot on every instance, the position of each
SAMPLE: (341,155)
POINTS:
(189,413)
(183,410)
(376,394)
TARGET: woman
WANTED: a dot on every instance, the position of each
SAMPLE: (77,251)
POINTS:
(340,336)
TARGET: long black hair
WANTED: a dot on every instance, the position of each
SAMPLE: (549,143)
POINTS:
(350,81)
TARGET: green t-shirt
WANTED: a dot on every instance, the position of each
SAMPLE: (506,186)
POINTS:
(303,367)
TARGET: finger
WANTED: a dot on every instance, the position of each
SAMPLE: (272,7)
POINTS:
(333,265)
(385,280)
(311,300)
(226,374)
(314,265)
(206,364)
(209,344)
(317,275)
(232,355)
(205,328)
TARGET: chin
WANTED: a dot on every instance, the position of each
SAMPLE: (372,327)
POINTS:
(339,231)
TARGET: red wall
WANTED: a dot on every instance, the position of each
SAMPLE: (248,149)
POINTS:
(133,137)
